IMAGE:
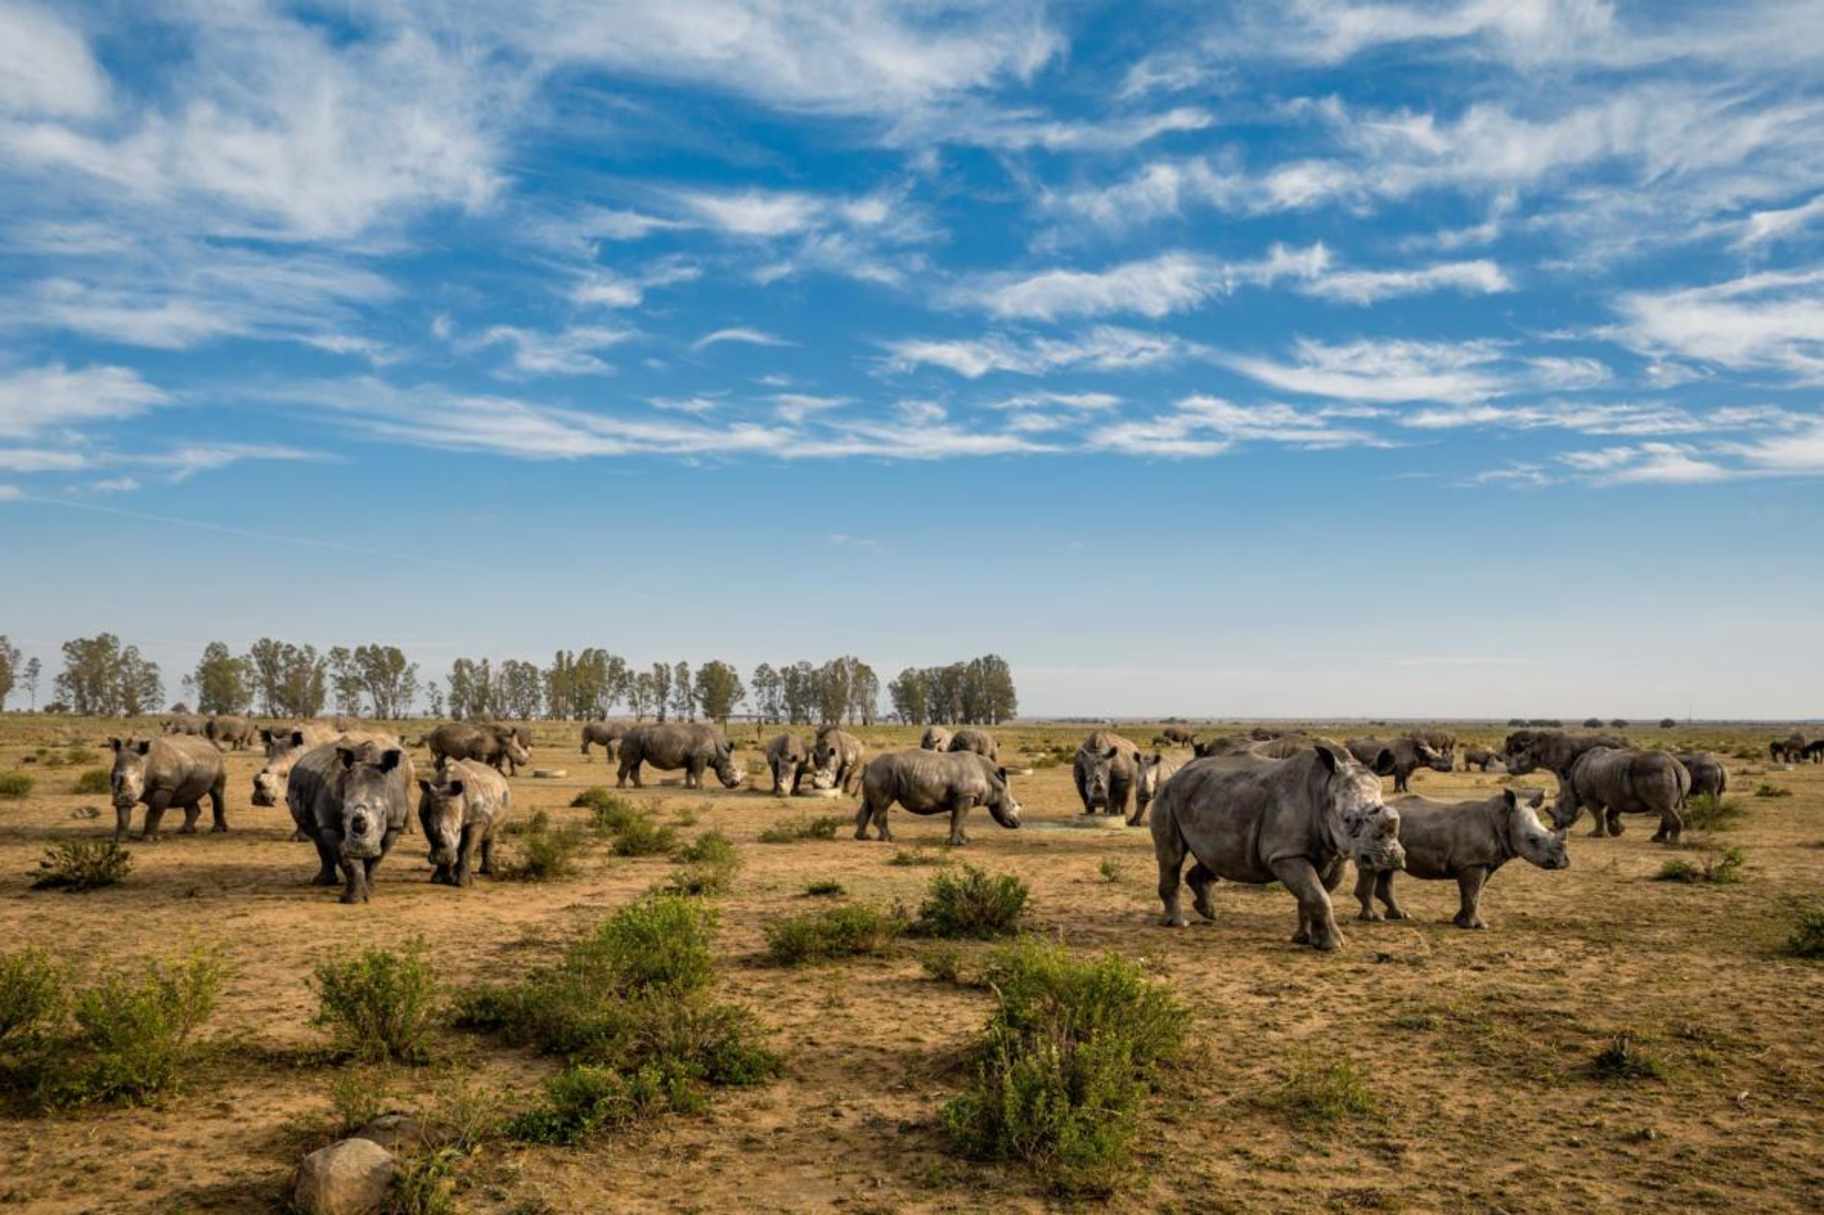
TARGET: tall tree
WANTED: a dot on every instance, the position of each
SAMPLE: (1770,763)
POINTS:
(221,682)
(641,692)
(911,697)
(683,693)
(345,680)
(661,688)
(769,698)
(9,668)
(433,693)
(471,692)
(33,670)
(267,657)
(89,682)
(718,690)
(518,685)
(141,690)
(390,681)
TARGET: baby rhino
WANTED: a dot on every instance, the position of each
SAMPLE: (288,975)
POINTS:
(460,808)
(1467,841)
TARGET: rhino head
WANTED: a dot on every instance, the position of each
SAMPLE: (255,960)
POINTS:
(724,764)
(1431,757)
(1362,824)
(1521,754)
(127,781)
(1098,774)
(1146,781)
(443,810)
(365,784)
(1528,837)
(510,746)
(1003,807)
(282,750)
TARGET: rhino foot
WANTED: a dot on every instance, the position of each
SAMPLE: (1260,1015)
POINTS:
(326,878)
(187,829)
(1327,941)
(348,897)
(1395,913)
(1472,922)
(219,829)
(1370,916)
(298,837)
(1175,921)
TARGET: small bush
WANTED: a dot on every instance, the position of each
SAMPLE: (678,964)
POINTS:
(1722,868)
(93,781)
(1764,789)
(834,932)
(823,827)
(134,1033)
(1806,939)
(943,963)
(55,760)
(357,1097)
(14,785)
(1624,1059)
(78,865)
(379,1004)
(598,797)
(426,1184)
(1063,1064)
(582,1100)
(1709,812)
(908,858)
(824,890)
(641,836)
(32,995)
(1317,1093)
(541,852)
(708,865)
(1110,869)
(80,755)
(973,904)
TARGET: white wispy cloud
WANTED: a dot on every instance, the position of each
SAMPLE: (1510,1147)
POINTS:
(55,396)
(605,288)
(1202,425)
(46,66)
(1772,320)
(1104,348)
(1154,287)
(1367,286)
(571,352)
(741,334)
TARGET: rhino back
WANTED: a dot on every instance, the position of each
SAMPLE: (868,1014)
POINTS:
(184,765)
(1442,839)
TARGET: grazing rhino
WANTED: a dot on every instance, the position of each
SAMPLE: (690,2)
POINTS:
(351,797)
(1105,768)
(606,734)
(1262,734)
(1222,744)
(787,758)
(1786,750)
(230,732)
(1814,751)
(1293,820)
(979,741)
(1554,750)
(1151,772)
(285,745)
(1409,755)
(1178,736)
(692,746)
(172,770)
(185,723)
(1612,781)
(836,759)
(935,738)
(491,744)
(1442,741)
(927,782)
(1467,841)
(1708,776)
(460,808)
(1479,757)
(522,734)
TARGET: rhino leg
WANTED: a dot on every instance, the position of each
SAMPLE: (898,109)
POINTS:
(628,770)
(1383,890)
(959,809)
(440,876)
(1366,881)
(1614,822)
(354,883)
(1083,792)
(218,806)
(693,774)
(328,845)
(123,822)
(465,858)
(155,813)
(1316,918)
(1200,879)
(192,812)
(1469,887)
(487,853)
(1169,850)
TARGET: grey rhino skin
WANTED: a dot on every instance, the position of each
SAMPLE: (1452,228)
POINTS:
(1409,755)
(979,741)
(1293,820)
(521,732)
(836,759)
(1612,781)
(185,723)
(172,770)
(1178,736)
(1708,776)
(1467,841)
(491,744)
(1554,750)
(352,798)
(1222,744)
(1479,757)
(1151,772)
(787,758)
(1789,750)
(935,738)
(1105,769)
(1814,751)
(1438,740)
(606,734)
(934,782)
(460,808)
(230,732)
(692,746)
(1280,746)
(285,745)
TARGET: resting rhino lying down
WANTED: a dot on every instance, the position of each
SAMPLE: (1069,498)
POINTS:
(979,741)
(934,782)
(1295,820)
(1467,841)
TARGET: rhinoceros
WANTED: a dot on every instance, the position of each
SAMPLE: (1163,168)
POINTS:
(935,738)
(606,734)
(351,797)
(1467,841)
(979,741)
(1788,750)
(1294,820)
(1409,755)
(692,746)
(230,732)
(185,723)
(1441,741)
(1612,781)
(1150,773)
(836,759)
(787,758)
(285,745)
(1708,776)
(1222,744)
(1479,757)
(488,743)
(1178,736)
(172,770)
(460,808)
(934,782)
(1104,770)
(1814,751)
(1527,750)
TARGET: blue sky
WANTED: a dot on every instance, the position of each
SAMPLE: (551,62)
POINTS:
(1448,358)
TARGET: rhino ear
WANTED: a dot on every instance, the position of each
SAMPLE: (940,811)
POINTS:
(1538,799)
(265,735)
(1509,800)
(424,786)
(390,759)
(346,755)
(1327,757)
(1384,763)
(1112,753)
(297,738)
(1002,773)
(115,743)
(455,788)
(144,745)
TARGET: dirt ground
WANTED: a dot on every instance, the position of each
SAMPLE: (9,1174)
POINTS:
(1479,1043)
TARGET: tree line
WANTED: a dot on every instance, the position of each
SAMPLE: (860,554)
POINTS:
(102,676)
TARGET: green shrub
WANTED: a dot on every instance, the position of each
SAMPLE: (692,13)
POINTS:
(78,865)
(357,1096)
(94,781)
(833,932)
(973,904)
(943,963)
(1722,868)
(14,785)
(1110,869)
(134,1033)
(32,995)
(1708,812)
(1806,939)
(639,835)
(541,852)
(824,890)
(1624,1059)
(1063,1064)
(1320,1093)
(597,797)
(823,827)
(707,865)
(1764,789)
(426,1184)
(907,858)
(712,847)
(80,755)
(379,1004)
(55,760)
(582,1100)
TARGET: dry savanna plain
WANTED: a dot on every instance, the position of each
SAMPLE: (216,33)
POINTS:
(1420,1068)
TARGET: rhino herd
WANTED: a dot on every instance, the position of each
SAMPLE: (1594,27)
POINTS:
(1265,807)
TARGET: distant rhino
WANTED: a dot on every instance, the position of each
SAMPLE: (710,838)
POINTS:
(979,741)
(175,770)
(1222,744)
(1788,750)
(1708,776)
(836,759)
(351,797)
(787,758)
(692,746)
(1441,741)
(1151,773)
(1527,750)
(489,743)
(187,723)
(460,808)
(1105,768)
(1467,841)
(927,782)
(230,732)
(1409,755)
(1814,751)
(1178,736)
(935,738)
(1479,757)
(1294,820)
(1611,782)
(605,734)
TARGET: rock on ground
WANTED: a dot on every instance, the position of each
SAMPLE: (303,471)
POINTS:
(352,1177)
